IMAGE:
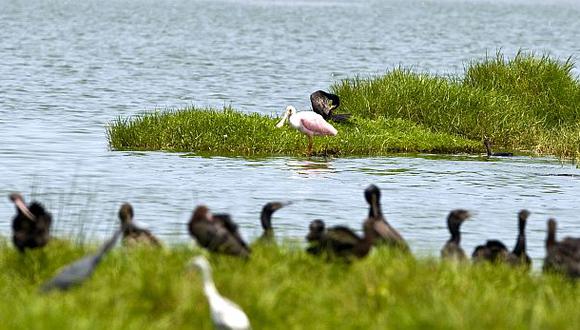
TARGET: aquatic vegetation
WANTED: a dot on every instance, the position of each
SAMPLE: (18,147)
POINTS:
(228,132)
(525,104)
(279,287)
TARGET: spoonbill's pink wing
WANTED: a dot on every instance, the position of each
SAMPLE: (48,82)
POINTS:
(317,125)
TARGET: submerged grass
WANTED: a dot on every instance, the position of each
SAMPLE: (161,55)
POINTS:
(281,288)
(526,103)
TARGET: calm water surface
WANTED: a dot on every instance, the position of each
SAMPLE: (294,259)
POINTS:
(67,68)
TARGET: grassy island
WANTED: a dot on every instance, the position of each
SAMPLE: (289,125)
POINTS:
(145,288)
(525,104)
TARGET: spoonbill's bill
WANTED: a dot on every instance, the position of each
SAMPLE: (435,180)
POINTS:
(31,225)
(324,103)
(452,249)
(133,234)
(385,232)
(307,122)
(225,314)
(564,256)
(80,270)
(217,232)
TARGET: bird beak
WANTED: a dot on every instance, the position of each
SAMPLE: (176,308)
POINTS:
(281,123)
(22,207)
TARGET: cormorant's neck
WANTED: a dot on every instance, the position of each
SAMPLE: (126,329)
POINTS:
(455,233)
(488,149)
(375,210)
(551,239)
(520,247)
(266,219)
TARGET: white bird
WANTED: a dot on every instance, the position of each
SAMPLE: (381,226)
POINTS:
(307,122)
(225,314)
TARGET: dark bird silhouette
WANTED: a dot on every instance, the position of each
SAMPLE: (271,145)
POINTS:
(80,270)
(217,233)
(384,232)
(519,256)
(452,249)
(132,234)
(266,220)
(487,144)
(562,257)
(339,241)
(324,104)
(31,225)
(495,251)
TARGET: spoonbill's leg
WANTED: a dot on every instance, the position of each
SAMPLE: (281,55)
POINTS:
(309,145)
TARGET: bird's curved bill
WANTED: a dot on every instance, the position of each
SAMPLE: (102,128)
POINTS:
(22,207)
(281,123)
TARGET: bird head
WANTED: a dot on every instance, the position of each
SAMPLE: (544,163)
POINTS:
(200,262)
(201,213)
(18,200)
(317,228)
(126,214)
(290,110)
(456,217)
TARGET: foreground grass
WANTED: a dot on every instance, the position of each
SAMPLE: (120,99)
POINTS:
(527,103)
(280,288)
(227,132)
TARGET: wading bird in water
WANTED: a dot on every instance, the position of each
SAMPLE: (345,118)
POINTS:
(307,122)
(31,225)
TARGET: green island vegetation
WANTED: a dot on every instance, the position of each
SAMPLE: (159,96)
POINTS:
(280,288)
(527,104)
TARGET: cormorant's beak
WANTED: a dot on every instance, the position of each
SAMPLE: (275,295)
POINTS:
(281,123)
(22,207)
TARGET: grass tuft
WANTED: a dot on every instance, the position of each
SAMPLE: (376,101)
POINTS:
(525,104)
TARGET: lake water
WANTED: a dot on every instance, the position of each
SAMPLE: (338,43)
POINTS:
(67,68)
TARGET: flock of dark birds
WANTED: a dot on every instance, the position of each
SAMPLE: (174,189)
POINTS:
(218,233)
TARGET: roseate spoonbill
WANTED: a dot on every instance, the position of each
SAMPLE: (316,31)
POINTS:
(495,251)
(133,234)
(217,233)
(324,103)
(266,220)
(386,234)
(452,249)
(487,144)
(339,241)
(80,270)
(564,256)
(307,122)
(225,314)
(31,225)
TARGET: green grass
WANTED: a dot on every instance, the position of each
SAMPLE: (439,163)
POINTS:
(281,288)
(525,104)
(227,132)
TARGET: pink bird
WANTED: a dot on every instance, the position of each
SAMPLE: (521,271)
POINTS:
(307,122)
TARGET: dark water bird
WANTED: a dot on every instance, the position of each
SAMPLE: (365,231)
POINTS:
(495,251)
(80,270)
(452,249)
(324,104)
(225,314)
(487,144)
(385,233)
(519,256)
(562,257)
(339,241)
(217,233)
(133,234)
(266,220)
(31,225)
